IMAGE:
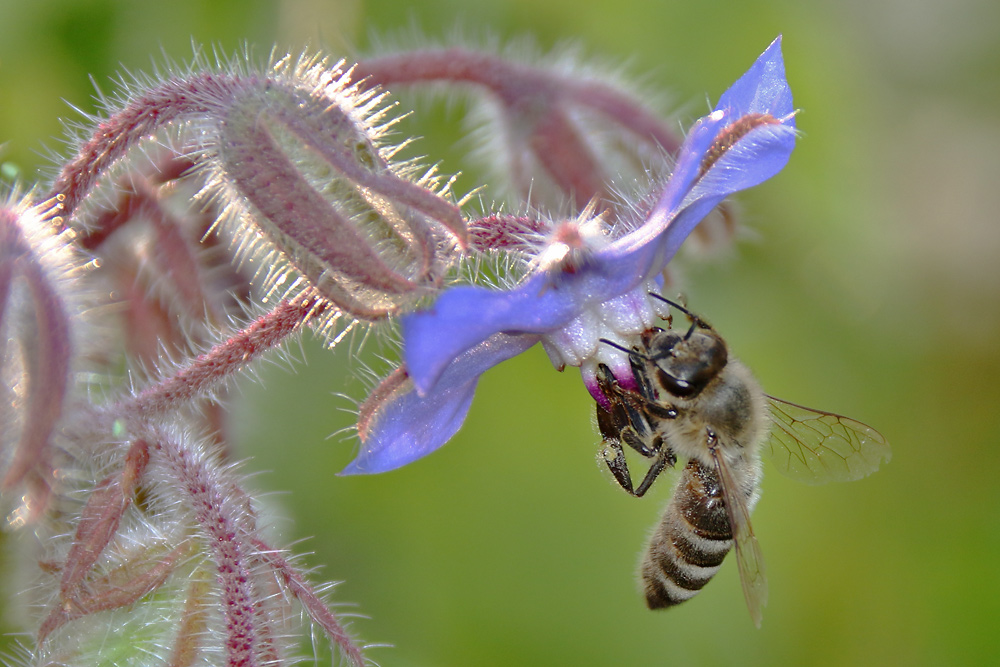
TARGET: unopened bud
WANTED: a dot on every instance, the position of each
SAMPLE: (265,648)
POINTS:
(37,277)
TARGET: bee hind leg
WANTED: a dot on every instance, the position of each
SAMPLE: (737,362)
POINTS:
(614,457)
(665,457)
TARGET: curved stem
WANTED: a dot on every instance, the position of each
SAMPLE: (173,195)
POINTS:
(209,370)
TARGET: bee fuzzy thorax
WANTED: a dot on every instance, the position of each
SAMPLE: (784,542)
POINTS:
(730,414)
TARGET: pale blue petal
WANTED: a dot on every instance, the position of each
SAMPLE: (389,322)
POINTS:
(763,89)
(411,426)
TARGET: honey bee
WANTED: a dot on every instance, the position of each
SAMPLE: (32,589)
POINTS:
(695,402)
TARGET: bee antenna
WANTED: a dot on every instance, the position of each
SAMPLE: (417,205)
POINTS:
(696,322)
(624,349)
(672,303)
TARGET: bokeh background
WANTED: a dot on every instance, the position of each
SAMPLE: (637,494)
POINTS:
(871,287)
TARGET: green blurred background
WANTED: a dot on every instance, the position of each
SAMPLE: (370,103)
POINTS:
(872,288)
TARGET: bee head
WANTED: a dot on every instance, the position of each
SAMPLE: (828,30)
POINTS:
(682,363)
(686,362)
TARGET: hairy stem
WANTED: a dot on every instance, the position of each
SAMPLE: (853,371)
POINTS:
(209,370)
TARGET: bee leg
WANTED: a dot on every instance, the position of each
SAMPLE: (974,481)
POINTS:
(639,373)
(614,457)
(665,457)
(632,416)
(631,437)
(607,382)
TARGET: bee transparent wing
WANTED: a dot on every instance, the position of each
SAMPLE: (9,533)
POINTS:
(749,559)
(815,447)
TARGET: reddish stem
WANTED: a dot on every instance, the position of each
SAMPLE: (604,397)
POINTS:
(512,82)
(140,118)
(217,517)
(567,159)
(210,369)
(317,609)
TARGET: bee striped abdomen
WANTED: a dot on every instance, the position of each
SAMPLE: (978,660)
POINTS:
(689,545)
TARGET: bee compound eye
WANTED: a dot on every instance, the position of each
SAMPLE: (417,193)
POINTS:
(676,385)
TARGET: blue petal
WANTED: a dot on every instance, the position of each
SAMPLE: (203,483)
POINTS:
(661,228)
(758,156)
(763,89)
(411,426)
(463,317)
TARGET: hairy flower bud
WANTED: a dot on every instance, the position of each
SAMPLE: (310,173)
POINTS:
(299,158)
(295,162)
(38,270)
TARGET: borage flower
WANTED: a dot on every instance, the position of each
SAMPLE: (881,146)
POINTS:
(585,285)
